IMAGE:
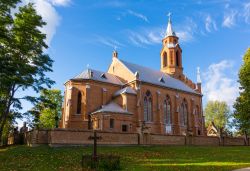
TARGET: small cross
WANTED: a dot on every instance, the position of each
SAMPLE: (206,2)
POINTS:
(115,47)
(95,138)
(169,16)
(88,66)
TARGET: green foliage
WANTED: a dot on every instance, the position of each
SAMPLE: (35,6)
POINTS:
(242,104)
(132,158)
(47,109)
(22,60)
(217,112)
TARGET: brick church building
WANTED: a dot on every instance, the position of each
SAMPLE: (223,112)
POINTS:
(136,99)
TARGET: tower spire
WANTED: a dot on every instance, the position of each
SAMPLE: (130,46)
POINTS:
(198,75)
(169,31)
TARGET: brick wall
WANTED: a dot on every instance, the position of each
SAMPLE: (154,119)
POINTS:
(62,137)
(79,137)
(167,140)
(36,137)
(233,141)
(210,141)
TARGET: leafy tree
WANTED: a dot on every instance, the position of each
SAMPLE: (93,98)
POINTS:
(22,60)
(242,104)
(219,113)
(47,110)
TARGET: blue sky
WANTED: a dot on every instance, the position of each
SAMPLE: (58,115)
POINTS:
(214,35)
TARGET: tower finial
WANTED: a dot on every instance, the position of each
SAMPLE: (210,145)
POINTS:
(115,53)
(170,31)
(198,75)
(169,17)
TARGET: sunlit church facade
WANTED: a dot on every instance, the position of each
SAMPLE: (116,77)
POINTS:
(136,99)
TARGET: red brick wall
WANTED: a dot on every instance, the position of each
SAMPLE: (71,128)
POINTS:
(167,140)
(233,141)
(57,137)
(80,137)
(210,141)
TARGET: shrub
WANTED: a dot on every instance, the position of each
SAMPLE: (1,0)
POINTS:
(103,163)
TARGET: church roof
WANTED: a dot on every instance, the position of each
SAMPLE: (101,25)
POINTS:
(91,74)
(112,107)
(157,77)
(127,90)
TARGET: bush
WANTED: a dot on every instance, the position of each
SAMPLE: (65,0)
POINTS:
(103,162)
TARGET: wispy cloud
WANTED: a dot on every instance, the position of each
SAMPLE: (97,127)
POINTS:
(246,12)
(150,36)
(185,31)
(229,19)
(146,37)
(210,24)
(60,2)
(138,15)
(218,85)
(109,42)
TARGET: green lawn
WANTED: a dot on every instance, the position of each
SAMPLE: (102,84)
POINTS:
(132,158)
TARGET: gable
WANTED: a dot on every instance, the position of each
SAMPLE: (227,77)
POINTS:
(119,69)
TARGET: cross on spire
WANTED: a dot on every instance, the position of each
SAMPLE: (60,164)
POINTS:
(169,31)
(169,16)
(198,75)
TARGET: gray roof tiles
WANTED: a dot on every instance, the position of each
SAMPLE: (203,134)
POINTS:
(154,77)
(127,90)
(91,74)
(112,107)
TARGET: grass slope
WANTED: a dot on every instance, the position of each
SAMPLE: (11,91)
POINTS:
(171,158)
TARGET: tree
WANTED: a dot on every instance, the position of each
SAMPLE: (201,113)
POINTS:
(23,62)
(242,104)
(219,113)
(47,110)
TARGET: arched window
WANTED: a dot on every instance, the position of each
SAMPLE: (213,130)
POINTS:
(165,59)
(167,111)
(79,103)
(183,113)
(177,58)
(196,116)
(148,107)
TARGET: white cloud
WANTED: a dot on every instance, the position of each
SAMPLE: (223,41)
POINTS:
(138,15)
(109,42)
(46,9)
(60,2)
(229,19)
(147,36)
(210,24)
(218,85)
(246,12)
(186,30)
(50,16)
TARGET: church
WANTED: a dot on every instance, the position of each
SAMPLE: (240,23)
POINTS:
(130,98)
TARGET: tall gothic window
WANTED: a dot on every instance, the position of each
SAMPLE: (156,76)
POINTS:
(167,111)
(165,59)
(79,103)
(177,58)
(196,116)
(148,107)
(183,113)
(171,58)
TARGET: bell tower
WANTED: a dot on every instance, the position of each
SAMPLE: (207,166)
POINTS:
(171,53)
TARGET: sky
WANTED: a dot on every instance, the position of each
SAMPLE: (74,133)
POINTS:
(213,34)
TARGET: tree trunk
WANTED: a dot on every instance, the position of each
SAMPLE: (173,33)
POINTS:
(246,138)
(6,110)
